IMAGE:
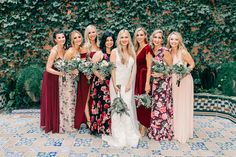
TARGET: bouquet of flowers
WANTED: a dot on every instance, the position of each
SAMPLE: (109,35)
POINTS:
(160,67)
(59,65)
(104,68)
(86,67)
(181,71)
(143,99)
(118,106)
(72,65)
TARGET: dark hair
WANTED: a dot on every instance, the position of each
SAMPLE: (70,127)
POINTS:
(58,31)
(103,41)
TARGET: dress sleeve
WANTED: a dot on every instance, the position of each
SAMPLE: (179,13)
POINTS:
(149,50)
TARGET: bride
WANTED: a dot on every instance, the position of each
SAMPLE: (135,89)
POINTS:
(124,128)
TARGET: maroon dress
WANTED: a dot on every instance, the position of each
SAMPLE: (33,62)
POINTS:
(143,114)
(82,95)
(49,102)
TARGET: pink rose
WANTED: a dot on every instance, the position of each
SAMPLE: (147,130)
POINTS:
(164,116)
(163,109)
(106,106)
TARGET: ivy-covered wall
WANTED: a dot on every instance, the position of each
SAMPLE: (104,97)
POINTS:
(208,28)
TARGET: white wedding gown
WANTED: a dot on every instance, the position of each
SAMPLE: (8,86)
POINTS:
(124,128)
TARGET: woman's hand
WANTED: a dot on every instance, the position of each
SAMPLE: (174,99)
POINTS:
(127,87)
(62,74)
(154,74)
(88,77)
(75,72)
(117,89)
(147,88)
(101,79)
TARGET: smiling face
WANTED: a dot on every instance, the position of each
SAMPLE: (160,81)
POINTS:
(60,39)
(76,39)
(157,39)
(174,41)
(109,42)
(92,34)
(141,36)
(124,39)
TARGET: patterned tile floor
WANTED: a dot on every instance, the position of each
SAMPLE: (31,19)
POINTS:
(20,136)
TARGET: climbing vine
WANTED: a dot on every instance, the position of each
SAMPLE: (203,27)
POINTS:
(207,27)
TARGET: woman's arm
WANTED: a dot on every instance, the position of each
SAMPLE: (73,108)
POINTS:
(132,77)
(189,60)
(113,72)
(148,75)
(97,57)
(168,58)
(50,61)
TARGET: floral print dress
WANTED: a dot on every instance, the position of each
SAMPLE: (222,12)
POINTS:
(161,126)
(67,102)
(100,95)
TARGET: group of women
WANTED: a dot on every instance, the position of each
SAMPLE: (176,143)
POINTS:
(66,104)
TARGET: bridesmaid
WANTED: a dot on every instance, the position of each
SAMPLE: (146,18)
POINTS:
(183,94)
(49,104)
(161,126)
(93,52)
(100,96)
(82,107)
(144,55)
(68,88)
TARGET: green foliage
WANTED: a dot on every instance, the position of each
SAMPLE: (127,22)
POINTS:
(226,80)
(27,89)
(27,26)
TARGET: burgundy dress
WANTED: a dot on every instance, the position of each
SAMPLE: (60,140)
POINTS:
(100,98)
(49,102)
(144,114)
(82,95)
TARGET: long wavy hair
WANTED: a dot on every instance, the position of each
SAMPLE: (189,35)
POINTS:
(88,44)
(181,49)
(136,44)
(103,41)
(72,34)
(152,35)
(130,46)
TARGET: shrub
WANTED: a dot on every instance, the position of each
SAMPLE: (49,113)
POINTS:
(27,89)
(226,79)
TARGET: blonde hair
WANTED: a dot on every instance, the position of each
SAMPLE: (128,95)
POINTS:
(152,35)
(181,49)
(136,44)
(72,37)
(130,46)
(87,43)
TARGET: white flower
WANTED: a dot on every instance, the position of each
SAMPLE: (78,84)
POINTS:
(104,63)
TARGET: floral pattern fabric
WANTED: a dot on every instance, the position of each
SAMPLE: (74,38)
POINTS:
(99,116)
(161,126)
(67,102)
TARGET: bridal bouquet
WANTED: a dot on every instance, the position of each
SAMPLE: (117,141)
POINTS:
(160,67)
(144,100)
(181,71)
(104,68)
(119,106)
(86,67)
